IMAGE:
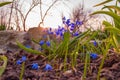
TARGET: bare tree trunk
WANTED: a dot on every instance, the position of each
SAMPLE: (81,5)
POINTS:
(17,22)
(24,23)
(40,11)
(17,16)
(3,19)
(10,15)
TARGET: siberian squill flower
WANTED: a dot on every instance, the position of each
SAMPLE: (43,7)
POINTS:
(93,55)
(41,42)
(23,59)
(75,34)
(48,67)
(95,43)
(28,46)
(35,66)
(79,22)
(48,43)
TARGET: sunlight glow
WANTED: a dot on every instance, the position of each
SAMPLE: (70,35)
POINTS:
(53,18)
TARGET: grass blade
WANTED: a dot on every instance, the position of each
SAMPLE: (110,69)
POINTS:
(4,3)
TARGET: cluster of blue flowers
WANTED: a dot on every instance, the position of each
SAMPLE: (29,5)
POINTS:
(42,42)
(34,66)
(68,26)
(72,25)
(21,60)
(69,23)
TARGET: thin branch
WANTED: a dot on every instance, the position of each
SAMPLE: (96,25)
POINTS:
(27,15)
(10,14)
(48,10)
(41,9)
(22,16)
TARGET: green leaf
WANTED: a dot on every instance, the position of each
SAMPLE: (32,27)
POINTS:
(118,1)
(112,14)
(29,50)
(113,29)
(3,67)
(115,34)
(107,1)
(75,41)
(113,7)
(106,23)
(4,3)
(62,47)
(108,8)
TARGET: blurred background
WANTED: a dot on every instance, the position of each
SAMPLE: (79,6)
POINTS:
(24,14)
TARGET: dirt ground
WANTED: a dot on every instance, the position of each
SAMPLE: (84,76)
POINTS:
(110,70)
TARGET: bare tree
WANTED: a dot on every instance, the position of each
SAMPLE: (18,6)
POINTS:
(53,5)
(43,16)
(24,15)
(79,13)
(17,18)
(11,11)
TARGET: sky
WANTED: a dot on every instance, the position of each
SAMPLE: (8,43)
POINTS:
(53,18)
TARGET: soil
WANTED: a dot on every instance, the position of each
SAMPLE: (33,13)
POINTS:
(110,70)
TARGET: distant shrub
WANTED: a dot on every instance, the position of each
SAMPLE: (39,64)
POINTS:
(2,27)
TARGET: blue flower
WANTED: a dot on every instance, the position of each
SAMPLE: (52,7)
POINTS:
(41,42)
(68,22)
(57,32)
(75,34)
(23,58)
(60,28)
(94,55)
(69,25)
(72,28)
(61,34)
(28,46)
(79,22)
(72,25)
(35,66)
(63,18)
(50,32)
(63,22)
(50,29)
(48,43)
(19,62)
(48,67)
(95,43)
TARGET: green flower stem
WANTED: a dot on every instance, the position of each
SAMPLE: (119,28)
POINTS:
(22,71)
(103,59)
(85,66)
(65,60)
